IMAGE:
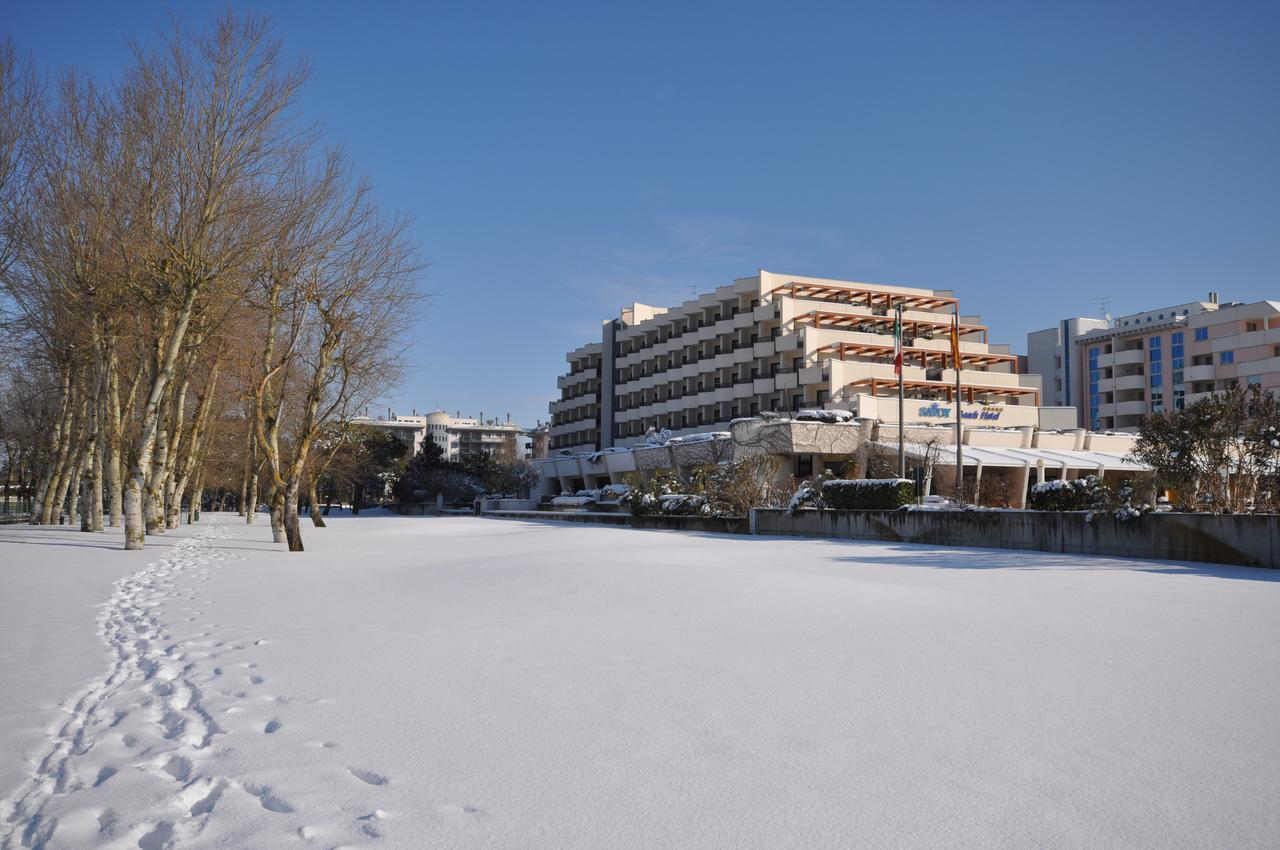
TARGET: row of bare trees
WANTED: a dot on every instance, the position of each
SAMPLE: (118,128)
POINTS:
(194,290)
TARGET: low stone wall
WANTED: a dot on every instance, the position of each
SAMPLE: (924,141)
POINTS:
(709,524)
(1252,541)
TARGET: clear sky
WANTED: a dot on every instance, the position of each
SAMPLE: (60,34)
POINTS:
(561,159)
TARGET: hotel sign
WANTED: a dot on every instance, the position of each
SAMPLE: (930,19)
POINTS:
(989,413)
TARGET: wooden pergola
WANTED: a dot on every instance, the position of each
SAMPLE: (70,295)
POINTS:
(946,386)
(865,296)
(928,357)
(911,327)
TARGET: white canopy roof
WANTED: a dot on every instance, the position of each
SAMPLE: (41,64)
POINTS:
(1017,458)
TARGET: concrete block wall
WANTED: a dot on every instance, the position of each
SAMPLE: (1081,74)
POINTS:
(1244,540)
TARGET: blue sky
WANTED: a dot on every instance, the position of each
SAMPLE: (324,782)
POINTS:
(561,159)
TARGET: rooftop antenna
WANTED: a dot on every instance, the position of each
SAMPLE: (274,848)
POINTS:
(1101,302)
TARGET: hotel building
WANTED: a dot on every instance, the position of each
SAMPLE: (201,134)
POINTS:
(1115,372)
(780,343)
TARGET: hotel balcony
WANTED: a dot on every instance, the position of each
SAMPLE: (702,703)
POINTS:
(570,403)
(1130,408)
(1128,382)
(1198,373)
(1135,355)
(585,375)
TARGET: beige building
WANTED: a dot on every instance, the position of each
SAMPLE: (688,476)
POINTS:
(1118,371)
(774,343)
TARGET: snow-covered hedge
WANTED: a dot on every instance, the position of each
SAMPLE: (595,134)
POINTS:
(1080,494)
(867,494)
(885,494)
(572,501)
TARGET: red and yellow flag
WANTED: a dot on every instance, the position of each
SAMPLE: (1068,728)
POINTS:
(955,339)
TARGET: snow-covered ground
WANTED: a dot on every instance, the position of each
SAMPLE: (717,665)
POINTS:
(461,682)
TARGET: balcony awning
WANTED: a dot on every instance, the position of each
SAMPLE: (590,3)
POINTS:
(946,386)
(865,295)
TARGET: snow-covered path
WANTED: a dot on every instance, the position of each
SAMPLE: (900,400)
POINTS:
(459,682)
(137,758)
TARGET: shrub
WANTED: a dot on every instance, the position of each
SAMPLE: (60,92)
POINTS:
(733,489)
(643,494)
(884,494)
(1081,494)
(683,504)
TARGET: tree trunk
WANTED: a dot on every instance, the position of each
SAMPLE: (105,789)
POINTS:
(97,520)
(292,528)
(135,530)
(316,519)
(277,516)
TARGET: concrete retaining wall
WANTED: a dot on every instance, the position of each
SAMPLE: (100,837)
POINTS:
(1252,541)
(712,524)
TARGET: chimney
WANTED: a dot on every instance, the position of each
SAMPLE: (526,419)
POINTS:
(1213,298)
(508,418)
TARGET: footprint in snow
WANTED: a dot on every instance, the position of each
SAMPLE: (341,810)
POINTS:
(268,799)
(272,727)
(368,776)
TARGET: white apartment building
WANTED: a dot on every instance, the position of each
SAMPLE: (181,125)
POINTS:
(774,342)
(1116,372)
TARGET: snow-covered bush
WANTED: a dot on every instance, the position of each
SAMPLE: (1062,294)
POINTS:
(613,492)
(1090,493)
(643,494)
(683,504)
(883,494)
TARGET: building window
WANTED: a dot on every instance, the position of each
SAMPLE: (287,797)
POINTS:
(1253,381)
(1202,334)
(1179,399)
(1250,327)
(1225,357)
(1157,401)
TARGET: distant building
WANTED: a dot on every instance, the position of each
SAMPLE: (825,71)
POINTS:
(410,430)
(498,440)
(1115,372)
(540,441)
(459,437)
(439,428)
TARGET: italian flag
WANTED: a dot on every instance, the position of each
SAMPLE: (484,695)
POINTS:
(897,341)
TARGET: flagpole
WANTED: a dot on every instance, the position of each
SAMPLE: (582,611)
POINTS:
(955,356)
(898,356)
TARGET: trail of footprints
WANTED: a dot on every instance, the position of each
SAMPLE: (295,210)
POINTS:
(147,720)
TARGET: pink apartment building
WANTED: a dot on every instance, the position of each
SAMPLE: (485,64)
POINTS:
(1117,371)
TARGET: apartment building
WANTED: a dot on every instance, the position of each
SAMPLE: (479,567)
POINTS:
(773,342)
(498,440)
(1118,371)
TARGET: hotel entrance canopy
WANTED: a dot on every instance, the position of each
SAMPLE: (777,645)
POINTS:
(1018,458)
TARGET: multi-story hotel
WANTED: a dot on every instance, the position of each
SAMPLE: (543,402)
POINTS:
(775,342)
(1117,371)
